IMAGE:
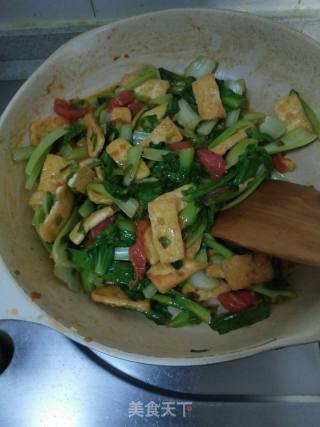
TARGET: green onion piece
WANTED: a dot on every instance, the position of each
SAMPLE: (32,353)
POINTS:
(273,127)
(186,157)
(144,73)
(132,164)
(125,131)
(237,86)
(237,150)
(149,290)
(39,154)
(163,99)
(311,115)
(102,107)
(253,116)
(217,259)
(38,217)
(154,154)
(138,137)
(274,294)
(32,179)
(138,116)
(201,66)
(189,214)
(177,300)
(226,322)
(70,153)
(185,303)
(232,117)
(21,154)
(47,202)
(184,318)
(186,117)
(206,127)
(241,124)
(86,208)
(296,138)
(217,246)
(89,280)
(103,258)
(129,207)
(121,254)
(250,189)
(59,248)
(202,255)
(70,276)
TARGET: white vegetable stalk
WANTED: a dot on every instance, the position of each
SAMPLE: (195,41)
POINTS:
(201,281)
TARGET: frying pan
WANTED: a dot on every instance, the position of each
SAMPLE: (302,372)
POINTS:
(272,59)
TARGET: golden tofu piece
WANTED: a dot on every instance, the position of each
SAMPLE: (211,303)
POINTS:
(290,110)
(42,127)
(166,232)
(81,179)
(115,297)
(166,131)
(123,114)
(149,248)
(153,88)
(205,294)
(118,151)
(193,249)
(58,215)
(98,198)
(207,96)
(96,217)
(158,111)
(165,277)
(36,198)
(77,234)
(95,136)
(224,146)
(54,173)
(215,270)
(242,271)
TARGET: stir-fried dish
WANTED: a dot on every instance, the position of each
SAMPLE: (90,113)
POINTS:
(127,183)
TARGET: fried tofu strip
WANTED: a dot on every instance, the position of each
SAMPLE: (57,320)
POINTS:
(207,95)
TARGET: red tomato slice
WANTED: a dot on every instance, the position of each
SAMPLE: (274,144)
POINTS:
(98,229)
(278,163)
(135,106)
(212,162)
(124,98)
(178,146)
(136,252)
(235,301)
(64,109)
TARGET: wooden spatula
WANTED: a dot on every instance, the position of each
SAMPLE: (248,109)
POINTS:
(281,219)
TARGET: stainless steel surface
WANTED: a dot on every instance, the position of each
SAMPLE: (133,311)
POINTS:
(51,381)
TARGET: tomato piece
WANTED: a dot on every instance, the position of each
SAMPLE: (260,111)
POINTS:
(98,229)
(64,109)
(135,106)
(124,98)
(136,251)
(212,162)
(281,164)
(235,301)
(178,146)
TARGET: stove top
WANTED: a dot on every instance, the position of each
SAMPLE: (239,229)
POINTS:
(52,381)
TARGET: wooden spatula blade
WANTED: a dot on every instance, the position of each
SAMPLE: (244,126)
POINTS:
(281,219)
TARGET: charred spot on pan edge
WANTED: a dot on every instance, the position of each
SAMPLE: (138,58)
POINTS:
(195,350)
